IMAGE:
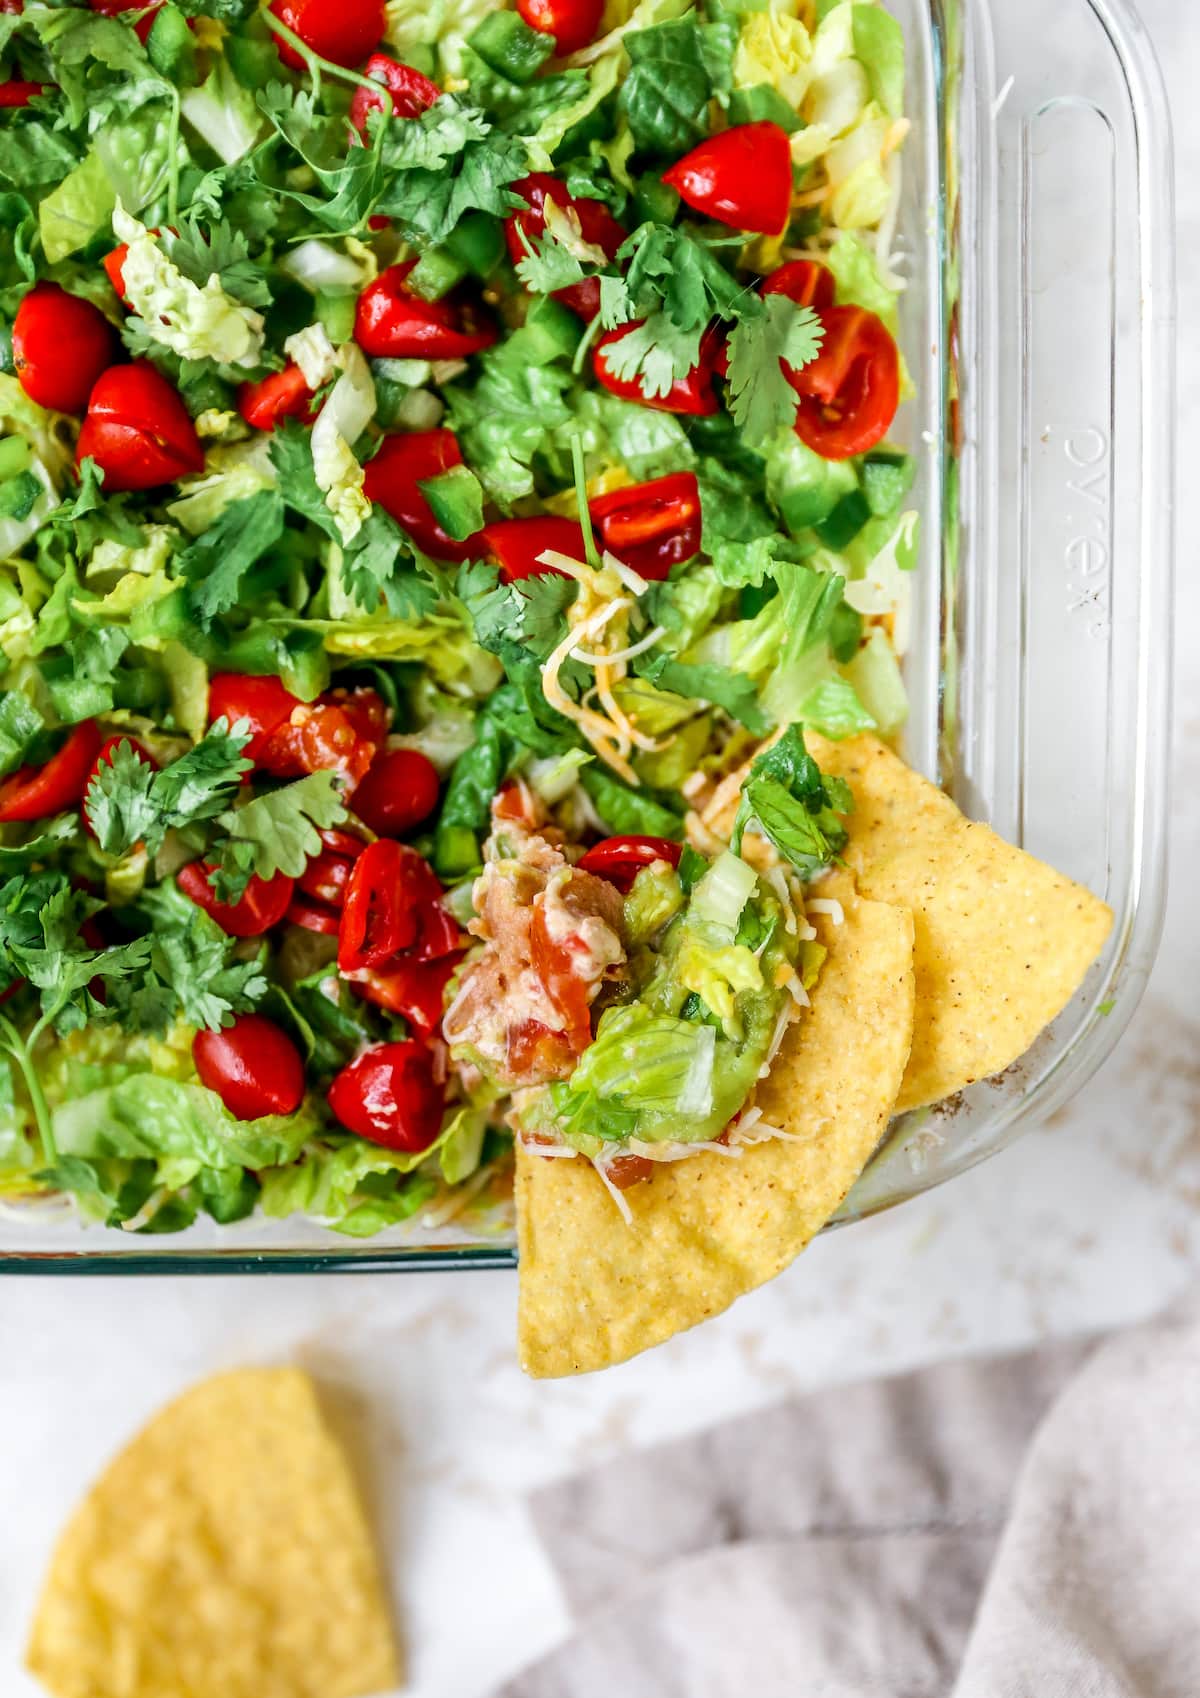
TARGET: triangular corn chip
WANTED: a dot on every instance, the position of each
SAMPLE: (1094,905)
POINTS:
(1002,940)
(595,1291)
(224,1551)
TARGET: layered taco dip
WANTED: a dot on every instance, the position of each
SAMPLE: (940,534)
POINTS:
(454,562)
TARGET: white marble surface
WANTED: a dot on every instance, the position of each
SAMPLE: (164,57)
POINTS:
(1091,1221)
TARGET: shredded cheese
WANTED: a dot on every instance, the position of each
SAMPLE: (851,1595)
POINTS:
(640,647)
(601,611)
(828,905)
(618,1196)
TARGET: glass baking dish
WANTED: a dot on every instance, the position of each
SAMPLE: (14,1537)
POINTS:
(1036,232)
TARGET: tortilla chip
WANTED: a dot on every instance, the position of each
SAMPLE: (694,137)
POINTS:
(224,1551)
(1002,940)
(595,1291)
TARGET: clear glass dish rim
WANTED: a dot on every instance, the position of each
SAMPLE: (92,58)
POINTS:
(1139,940)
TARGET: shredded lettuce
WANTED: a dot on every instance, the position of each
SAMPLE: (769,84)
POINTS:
(199,323)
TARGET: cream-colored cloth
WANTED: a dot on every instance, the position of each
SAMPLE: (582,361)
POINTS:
(1021,1527)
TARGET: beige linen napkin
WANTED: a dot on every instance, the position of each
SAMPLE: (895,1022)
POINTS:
(1021,1527)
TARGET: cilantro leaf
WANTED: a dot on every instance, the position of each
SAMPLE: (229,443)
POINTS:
(41,935)
(276,832)
(119,803)
(434,137)
(191,974)
(291,456)
(529,613)
(128,802)
(222,251)
(48,838)
(657,352)
(379,567)
(761,399)
(445,163)
(789,801)
(548,265)
(219,558)
(350,178)
(669,266)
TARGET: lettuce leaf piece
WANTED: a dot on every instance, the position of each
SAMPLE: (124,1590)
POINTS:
(717,685)
(224,112)
(856,273)
(180,1126)
(666,93)
(774,49)
(879,49)
(833,708)
(628,812)
(78,208)
(659,1066)
(333,1180)
(874,673)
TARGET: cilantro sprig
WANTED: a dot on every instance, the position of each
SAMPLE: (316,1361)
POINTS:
(43,941)
(788,800)
(276,832)
(131,802)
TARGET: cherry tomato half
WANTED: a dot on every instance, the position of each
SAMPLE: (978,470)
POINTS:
(403,461)
(378,918)
(253,1066)
(621,859)
(399,791)
(31,793)
(624,1171)
(114,265)
(328,735)
(572,23)
(554,962)
(389,322)
(850,392)
(61,344)
(104,758)
(366,710)
(261,906)
(411,92)
(313,916)
(416,990)
(517,545)
(692,394)
(283,395)
(742,177)
(596,224)
(325,878)
(345,31)
(343,843)
(651,526)
(234,696)
(137,430)
(805,281)
(13,93)
(389,1095)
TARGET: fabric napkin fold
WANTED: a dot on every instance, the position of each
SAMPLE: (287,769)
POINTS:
(1025,1526)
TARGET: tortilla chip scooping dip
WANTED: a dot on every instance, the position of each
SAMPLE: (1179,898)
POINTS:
(224,1551)
(595,1291)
